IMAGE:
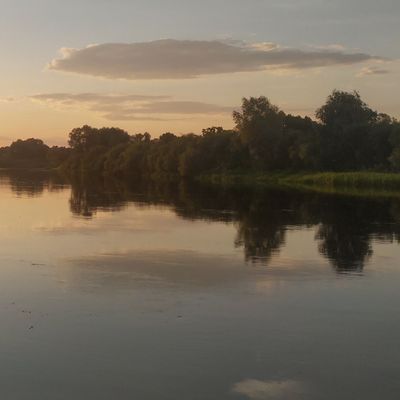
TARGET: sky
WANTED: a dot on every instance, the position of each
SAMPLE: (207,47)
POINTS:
(182,65)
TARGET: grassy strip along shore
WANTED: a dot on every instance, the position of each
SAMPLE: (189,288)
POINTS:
(324,181)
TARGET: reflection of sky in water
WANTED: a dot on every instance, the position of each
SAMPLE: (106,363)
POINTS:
(269,390)
(140,303)
(46,223)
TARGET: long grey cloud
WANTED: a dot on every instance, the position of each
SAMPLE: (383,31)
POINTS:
(367,71)
(183,59)
(120,107)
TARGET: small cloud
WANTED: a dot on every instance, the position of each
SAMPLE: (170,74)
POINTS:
(184,59)
(263,46)
(71,99)
(331,47)
(124,107)
(269,390)
(7,99)
(367,71)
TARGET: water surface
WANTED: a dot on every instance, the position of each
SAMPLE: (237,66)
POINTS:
(175,291)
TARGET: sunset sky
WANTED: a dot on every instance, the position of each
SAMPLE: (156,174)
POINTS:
(182,65)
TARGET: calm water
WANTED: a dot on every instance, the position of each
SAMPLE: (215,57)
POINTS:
(178,292)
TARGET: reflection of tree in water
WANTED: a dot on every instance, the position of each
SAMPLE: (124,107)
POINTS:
(260,244)
(263,223)
(32,183)
(344,233)
(346,249)
(86,200)
(261,228)
(345,225)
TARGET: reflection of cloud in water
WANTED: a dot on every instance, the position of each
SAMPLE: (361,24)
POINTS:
(158,266)
(270,390)
(133,219)
(182,268)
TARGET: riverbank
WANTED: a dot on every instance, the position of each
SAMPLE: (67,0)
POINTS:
(323,181)
(380,184)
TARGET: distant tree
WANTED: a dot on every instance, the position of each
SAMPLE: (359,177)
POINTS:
(260,125)
(343,109)
(141,137)
(25,154)
(394,139)
(303,143)
(86,137)
(167,137)
(57,155)
(29,148)
(214,130)
(348,136)
(347,123)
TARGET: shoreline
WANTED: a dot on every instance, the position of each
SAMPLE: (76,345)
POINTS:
(365,183)
(351,183)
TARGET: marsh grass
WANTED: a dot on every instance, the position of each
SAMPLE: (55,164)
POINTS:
(367,180)
(351,183)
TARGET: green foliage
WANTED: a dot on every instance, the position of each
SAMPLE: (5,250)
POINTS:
(349,136)
(260,125)
(32,153)
(85,138)
(394,140)
(348,179)
(344,109)
(353,136)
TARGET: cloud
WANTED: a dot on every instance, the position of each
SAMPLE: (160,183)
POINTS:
(70,98)
(330,47)
(184,268)
(183,59)
(269,390)
(120,107)
(367,71)
(7,99)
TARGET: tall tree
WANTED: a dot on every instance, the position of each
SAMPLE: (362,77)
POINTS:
(347,123)
(260,126)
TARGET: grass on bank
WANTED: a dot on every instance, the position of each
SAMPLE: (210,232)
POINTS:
(326,181)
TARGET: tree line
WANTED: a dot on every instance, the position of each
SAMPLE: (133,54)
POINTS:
(347,135)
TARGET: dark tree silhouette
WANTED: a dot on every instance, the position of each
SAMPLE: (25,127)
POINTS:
(349,136)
